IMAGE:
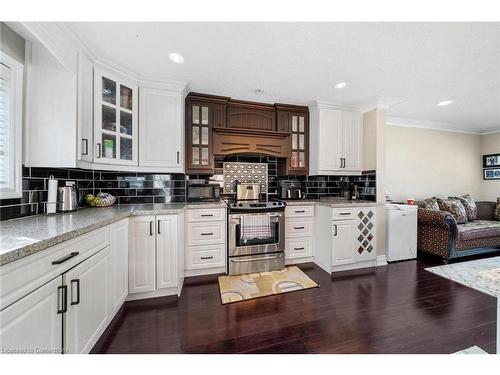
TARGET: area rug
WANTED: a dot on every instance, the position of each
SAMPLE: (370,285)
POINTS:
(472,350)
(481,274)
(254,285)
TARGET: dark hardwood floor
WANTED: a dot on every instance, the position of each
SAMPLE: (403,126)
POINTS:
(399,308)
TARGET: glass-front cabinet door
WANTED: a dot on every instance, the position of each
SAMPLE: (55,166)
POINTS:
(299,139)
(198,138)
(115,120)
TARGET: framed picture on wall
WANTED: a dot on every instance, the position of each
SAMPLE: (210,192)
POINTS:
(492,160)
(491,174)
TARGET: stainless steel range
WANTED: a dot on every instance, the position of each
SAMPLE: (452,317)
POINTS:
(259,253)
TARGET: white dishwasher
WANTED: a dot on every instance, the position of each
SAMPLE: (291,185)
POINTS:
(401,227)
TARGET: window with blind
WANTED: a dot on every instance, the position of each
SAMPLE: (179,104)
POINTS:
(11,84)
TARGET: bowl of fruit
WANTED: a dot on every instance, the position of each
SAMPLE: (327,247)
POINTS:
(100,200)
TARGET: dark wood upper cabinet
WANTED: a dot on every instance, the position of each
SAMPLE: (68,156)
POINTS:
(251,116)
(295,121)
(203,113)
(218,125)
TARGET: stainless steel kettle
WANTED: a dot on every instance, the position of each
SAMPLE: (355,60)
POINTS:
(68,198)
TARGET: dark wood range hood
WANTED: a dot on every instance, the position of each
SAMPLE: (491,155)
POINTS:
(217,125)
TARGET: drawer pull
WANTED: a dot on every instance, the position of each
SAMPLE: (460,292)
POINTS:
(300,212)
(151,228)
(77,281)
(205,258)
(207,234)
(344,213)
(298,227)
(298,248)
(66,258)
(207,215)
(335,233)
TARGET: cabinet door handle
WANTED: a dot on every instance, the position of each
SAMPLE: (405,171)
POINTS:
(159,227)
(207,234)
(298,248)
(98,150)
(65,258)
(85,142)
(151,228)
(298,227)
(177,157)
(205,258)
(207,215)
(62,299)
(344,213)
(340,162)
(300,212)
(77,281)
(335,233)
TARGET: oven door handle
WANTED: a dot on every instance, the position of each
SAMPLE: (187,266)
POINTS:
(254,259)
(238,217)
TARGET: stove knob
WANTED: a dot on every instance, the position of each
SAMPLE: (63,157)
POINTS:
(234,204)
(241,205)
(280,203)
(274,203)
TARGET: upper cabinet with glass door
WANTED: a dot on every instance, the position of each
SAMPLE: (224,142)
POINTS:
(199,157)
(115,120)
(299,150)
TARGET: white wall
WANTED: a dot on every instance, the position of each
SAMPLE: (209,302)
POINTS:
(490,144)
(11,43)
(422,163)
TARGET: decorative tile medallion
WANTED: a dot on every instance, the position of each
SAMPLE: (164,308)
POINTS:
(246,173)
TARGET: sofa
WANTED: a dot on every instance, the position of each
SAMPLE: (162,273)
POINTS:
(439,234)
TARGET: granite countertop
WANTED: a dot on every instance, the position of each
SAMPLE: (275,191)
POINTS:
(25,236)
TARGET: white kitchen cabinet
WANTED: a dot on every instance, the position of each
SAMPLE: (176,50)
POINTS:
(87,302)
(49,138)
(352,124)
(343,243)
(205,248)
(85,109)
(118,286)
(155,265)
(166,251)
(299,230)
(336,140)
(142,254)
(161,128)
(115,119)
(33,324)
(345,238)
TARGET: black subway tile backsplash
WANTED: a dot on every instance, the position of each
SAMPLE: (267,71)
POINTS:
(138,187)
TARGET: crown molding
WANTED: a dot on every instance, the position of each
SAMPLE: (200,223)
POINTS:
(381,101)
(491,132)
(323,104)
(431,125)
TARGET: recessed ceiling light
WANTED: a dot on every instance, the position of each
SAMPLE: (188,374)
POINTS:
(340,85)
(176,58)
(444,103)
(259,91)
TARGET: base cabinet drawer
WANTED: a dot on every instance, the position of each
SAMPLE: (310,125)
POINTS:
(299,227)
(214,214)
(343,213)
(206,257)
(206,233)
(298,248)
(299,211)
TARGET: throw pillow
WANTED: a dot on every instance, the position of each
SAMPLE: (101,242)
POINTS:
(455,208)
(469,204)
(496,216)
(429,204)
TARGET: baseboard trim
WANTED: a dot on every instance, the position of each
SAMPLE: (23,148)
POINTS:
(381,260)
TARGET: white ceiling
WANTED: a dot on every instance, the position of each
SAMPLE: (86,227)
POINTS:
(420,63)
